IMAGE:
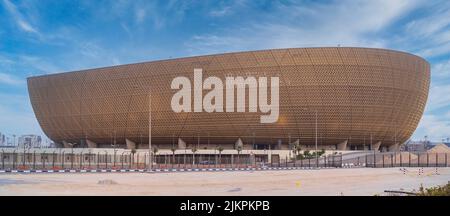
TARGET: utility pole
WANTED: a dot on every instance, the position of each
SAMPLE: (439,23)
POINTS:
(150,128)
(317,155)
(150,152)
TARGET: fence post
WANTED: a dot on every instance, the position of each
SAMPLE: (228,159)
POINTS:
(3,160)
(418,159)
(106,159)
(34,159)
(325,160)
(43,160)
(53,160)
(23,159)
(365,160)
(317,161)
(145,160)
(71,159)
(121,158)
(137,161)
(14,159)
(401,160)
(81,160)
(131,160)
(383,161)
(114,159)
(437,159)
(392,160)
(63,159)
(409,159)
(374,160)
(427,159)
(446,159)
(98,155)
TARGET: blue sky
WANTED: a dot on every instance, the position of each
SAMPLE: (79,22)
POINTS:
(50,36)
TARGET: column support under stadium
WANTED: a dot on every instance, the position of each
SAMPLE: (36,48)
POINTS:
(66,144)
(91,144)
(239,143)
(342,146)
(181,144)
(394,147)
(130,144)
(376,146)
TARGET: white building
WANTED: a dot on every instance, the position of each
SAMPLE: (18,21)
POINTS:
(3,141)
(30,141)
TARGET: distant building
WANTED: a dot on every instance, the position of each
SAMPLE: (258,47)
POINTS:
(417,146)
(30,141)
(3,141)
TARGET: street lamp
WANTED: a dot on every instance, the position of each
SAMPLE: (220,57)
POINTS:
(149,126)
(315,112)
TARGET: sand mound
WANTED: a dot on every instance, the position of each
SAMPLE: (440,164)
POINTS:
(406,155)
(107,182)
(397,158)
(439,148)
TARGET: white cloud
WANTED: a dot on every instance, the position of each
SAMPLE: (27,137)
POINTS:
(441,69)
(39,64)
(434,50)
(431,24)
(344,22)
(26,26)
(10,80)
(17,115)
(439,97)
(18,17)
(433,126)
(220,12)
(140,15)
(429,34)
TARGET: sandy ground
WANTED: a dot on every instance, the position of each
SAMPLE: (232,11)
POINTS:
(356,181)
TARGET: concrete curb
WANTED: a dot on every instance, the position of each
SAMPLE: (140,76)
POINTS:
(170,170)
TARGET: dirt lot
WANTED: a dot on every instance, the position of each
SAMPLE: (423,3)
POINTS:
(357,181)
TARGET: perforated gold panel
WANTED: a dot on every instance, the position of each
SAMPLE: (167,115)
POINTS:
(358,92)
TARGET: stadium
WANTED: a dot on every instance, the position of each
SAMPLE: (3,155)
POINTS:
(340,97)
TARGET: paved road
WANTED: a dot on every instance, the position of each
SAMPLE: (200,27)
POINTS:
(334,182)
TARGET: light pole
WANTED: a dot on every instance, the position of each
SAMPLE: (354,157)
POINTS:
(149,127)
(315,112)
(114,148)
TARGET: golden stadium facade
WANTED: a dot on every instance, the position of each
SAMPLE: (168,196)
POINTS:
(365,98)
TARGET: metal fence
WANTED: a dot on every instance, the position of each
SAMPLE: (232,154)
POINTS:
(31,160)
(401,159)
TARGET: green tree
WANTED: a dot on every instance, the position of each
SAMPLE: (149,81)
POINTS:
(173,149)
(194,149)
(307,154)
(220,149)
(155,150)
(239,149)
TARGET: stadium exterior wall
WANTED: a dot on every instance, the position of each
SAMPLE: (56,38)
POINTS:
(362,96)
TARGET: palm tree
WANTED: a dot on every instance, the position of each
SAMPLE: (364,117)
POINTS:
(194,149)
(294,151)
(133,151)
(239,149)
(155,150)
(173,149)
(220,149)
